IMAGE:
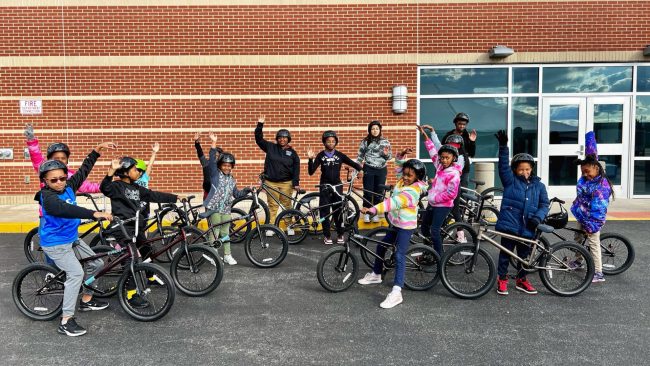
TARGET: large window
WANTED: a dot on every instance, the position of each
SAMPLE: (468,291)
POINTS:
(597,79)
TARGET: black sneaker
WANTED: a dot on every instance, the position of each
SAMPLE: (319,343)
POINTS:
(92,305)
(71,328)
(137,302)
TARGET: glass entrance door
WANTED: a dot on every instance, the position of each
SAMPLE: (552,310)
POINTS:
(564,124)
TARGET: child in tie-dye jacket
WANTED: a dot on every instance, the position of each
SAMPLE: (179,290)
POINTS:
(590,206)
(402,208)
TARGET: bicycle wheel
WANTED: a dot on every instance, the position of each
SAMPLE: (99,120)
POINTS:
(351,213)
(471,279)
(558,276)
(489,216)
(163,236)
(32,247)
(36,292)
(240,236)
(458,233)
(244,204)
(146,300)
(496,193)
(310,200)
(512,269)
(193,235)
(202,273)
(617,253)
(376,234)
(106,284)
(421,268)
(268,249)
(294,224)
(337,269)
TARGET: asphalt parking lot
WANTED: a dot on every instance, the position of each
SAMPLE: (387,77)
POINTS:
(283,316)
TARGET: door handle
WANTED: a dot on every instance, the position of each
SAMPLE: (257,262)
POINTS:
(581,151)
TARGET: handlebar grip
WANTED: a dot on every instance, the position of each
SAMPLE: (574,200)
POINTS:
(189,198)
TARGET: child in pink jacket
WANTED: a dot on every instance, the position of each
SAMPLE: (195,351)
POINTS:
(444,186)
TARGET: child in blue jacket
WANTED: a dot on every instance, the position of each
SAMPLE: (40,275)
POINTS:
(523,207)
(590,206)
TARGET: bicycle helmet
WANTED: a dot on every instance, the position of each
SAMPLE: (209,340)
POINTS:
(51,165)
(226,157)
(558,220)
(520,158)
(449,149)
(418,167)
(461,117)
(330,133)
(126,163)
(141,165)
(283,133)
(56,147)
(455,139)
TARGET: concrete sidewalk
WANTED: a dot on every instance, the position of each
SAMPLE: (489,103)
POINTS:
(20,218)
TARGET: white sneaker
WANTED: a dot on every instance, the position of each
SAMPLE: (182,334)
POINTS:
(370,278)
(290,232)
(269,233)
(393,299)
(375,218)
(460,236)
(229,259)
(366,218)
(340,240)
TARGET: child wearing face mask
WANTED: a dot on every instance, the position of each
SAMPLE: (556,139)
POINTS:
(444,186)
(330,162)
(523,207)
(590,206)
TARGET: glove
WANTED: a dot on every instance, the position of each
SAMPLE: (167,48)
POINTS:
(29,132)
(502,137)
(533,223)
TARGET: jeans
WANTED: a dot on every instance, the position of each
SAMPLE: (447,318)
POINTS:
(432,221)
(64,257)
(372,178)
(401,238)
(504,259)
(456,212)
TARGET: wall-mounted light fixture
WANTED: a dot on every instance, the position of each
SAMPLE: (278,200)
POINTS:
(499,51)
(646,50)
(400,94)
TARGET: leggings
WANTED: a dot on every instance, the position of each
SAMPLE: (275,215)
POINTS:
(372,178)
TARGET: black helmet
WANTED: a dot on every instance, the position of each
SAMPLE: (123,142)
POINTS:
(330,133)
(454,139)
(450,149)
(418,167)
(461,116)
(51,165)
(126,163)
(283,133)
(374,123)
(56,147)
(226,157)
(558,220)
(522,157)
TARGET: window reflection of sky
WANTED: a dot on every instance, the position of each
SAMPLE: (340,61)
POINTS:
(564,115)
(464,81)
(598,79)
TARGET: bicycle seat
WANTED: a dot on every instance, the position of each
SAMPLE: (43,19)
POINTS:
(545,228)
(206,214)
(470,197)
(301,191)
(477,182)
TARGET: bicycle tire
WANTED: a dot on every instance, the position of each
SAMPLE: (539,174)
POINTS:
(465,280)
(193,237)
(203,272)
(496,193)
(557,269)
(297,221)
(25,286)
(307,201)
(378,233)
(107,283)
(612,246)
(266,251)
(32,247)
(244,204)
(450,239)
(421,271)
(337,269)
(159,294)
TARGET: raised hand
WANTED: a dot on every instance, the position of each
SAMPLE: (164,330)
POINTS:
(261,119)
(29,132)
(197,136)
(213,137)
(472,135)
(105,145)
(310,154)
(502,137)
(427,127)
(155,148)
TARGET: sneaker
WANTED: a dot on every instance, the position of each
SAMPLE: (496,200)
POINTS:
(370,278)
(598,277)
(393,299)
(376,219)
(229,259)
(71,328)
(460,236)
(93,304)
(524,285)
(290,232)
(502,286)
(269,233)
(340,240)
(137,302)
(328,241)
(366,218)
(575,264)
